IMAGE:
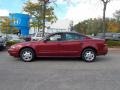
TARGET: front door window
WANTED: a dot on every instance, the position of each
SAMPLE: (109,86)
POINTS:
(56,37)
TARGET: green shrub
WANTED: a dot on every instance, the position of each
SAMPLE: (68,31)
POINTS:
(112,43)
(9,43)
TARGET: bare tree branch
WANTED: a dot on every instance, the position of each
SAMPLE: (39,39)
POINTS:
(105,1)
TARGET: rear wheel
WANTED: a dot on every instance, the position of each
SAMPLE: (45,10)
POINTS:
(27,54)
(89,55)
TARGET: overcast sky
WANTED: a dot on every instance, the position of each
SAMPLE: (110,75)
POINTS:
(76,10)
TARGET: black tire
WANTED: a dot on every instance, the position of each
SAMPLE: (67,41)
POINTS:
(27,55)
(89,55)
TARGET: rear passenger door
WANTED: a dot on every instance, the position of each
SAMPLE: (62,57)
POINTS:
(71,45)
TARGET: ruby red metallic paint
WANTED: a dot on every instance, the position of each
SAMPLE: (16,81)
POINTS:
(70,48)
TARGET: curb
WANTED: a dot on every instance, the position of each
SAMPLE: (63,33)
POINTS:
(113,49)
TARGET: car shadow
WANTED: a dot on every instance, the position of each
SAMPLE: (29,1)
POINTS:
(98,59)
(104,58)
(70,59)
(57,59)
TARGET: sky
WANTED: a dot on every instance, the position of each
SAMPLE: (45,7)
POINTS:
(75,10)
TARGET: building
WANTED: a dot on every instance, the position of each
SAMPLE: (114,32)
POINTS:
(21,22)
(58,26)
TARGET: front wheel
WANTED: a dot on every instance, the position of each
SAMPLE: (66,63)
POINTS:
(27,54)
(88,55)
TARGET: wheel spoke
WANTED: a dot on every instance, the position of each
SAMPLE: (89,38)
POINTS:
(27,55)
(89,55)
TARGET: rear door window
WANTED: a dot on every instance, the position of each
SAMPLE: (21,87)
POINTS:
(72,36)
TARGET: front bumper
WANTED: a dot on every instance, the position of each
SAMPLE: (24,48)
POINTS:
(13,52)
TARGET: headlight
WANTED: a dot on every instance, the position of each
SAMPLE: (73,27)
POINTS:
(16,46)
(12,47)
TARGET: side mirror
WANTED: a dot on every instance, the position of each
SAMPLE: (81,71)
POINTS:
(45,40)
(59,39)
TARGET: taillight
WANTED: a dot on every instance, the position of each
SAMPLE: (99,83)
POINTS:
(105,42)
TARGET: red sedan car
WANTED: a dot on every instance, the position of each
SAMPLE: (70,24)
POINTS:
(62,44)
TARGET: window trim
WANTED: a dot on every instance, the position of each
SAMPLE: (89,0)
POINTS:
(82,36)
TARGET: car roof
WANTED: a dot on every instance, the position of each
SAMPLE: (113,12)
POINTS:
(71,32)
(66,32)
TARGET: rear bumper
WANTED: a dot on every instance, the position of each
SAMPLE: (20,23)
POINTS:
(104,51)
(2,47)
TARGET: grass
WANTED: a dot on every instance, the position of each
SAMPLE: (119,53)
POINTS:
(112,43)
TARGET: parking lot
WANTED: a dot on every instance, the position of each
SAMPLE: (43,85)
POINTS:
(60,74)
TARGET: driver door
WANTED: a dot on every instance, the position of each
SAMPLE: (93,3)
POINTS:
(51,46)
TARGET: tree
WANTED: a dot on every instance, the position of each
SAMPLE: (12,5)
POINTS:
(6,26)
(90,26)
(117,15)
(105,2)
(33,24)
(113,26)
(36,10)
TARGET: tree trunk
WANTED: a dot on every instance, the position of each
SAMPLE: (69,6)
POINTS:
(38,25)
(44,14)
(104,21)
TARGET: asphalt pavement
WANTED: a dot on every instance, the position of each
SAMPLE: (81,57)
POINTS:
(60,74)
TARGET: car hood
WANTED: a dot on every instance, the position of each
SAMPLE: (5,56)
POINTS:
(29,43)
